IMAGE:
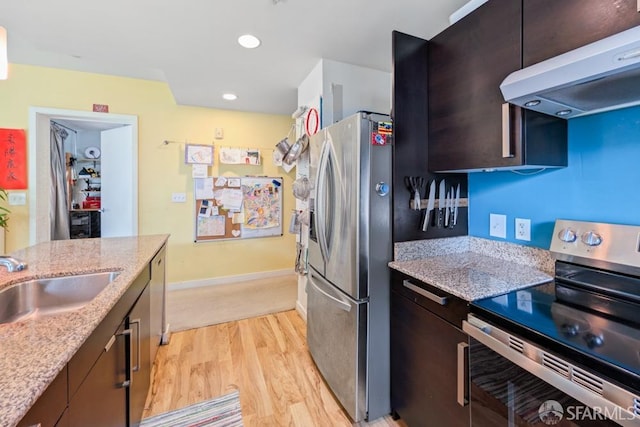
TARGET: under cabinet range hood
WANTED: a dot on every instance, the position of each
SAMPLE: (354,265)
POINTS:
(601,76)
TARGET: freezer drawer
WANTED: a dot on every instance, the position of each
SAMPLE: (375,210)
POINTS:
(336,336)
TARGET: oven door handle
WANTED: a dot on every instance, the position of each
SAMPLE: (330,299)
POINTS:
(532,359)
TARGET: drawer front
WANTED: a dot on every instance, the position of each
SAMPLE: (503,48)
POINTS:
(444,305)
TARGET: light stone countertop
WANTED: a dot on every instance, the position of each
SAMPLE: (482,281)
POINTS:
(34,351)
(472,268)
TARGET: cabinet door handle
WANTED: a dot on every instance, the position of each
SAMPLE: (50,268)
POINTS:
(506,131)
(463,374)
(433,297)
(136,368)
(129,380)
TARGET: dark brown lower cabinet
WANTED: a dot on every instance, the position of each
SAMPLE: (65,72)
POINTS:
(424,367)
(101,399)
(49,408)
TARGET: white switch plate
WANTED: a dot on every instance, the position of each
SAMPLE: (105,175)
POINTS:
(498,225)
(523,229)
(219,133)
(16,199)
(178,197)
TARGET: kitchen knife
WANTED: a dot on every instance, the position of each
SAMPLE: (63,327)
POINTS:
(451,203)
(442,196)
(430,203)
(416,194)
(456,205)
(447,208)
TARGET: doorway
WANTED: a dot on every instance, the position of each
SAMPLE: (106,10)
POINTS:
(119,160)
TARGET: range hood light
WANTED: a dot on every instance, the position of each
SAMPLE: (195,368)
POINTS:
(563,113)
(532,103)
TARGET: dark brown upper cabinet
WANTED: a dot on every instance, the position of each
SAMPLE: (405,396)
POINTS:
(410,129)
(552,27)
(470,126)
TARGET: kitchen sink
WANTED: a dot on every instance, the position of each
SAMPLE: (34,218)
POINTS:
(44,297)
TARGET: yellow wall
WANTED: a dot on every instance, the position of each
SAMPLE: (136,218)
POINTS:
(161,168)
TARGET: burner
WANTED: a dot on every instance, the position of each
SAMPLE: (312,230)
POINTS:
(570,330)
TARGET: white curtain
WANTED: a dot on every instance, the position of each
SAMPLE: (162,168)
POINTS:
(59,213)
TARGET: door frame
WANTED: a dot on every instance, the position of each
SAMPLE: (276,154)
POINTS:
(40,163)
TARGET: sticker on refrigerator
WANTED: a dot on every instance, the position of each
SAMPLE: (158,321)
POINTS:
(379,139)
(385,128)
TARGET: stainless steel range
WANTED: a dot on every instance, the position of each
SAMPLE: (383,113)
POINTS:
(566,352)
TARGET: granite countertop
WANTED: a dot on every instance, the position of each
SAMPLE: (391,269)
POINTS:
(464,267)
(34,351)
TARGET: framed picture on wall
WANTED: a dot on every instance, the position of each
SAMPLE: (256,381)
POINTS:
(198,154)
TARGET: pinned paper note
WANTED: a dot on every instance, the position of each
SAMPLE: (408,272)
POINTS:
(232,199)
(211,226)
(203,188)
(221,181)
(199,171)
(238,218)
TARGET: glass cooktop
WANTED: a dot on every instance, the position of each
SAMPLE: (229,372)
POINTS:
(611,346)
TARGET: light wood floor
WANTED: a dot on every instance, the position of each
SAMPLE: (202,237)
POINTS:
(265,358)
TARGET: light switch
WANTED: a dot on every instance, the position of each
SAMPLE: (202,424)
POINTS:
(219,133)
(498,225)
(179,197)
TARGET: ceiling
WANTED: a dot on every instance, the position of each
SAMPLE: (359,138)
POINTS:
(192,45)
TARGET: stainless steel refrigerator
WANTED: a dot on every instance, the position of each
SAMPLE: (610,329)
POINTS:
(349,249)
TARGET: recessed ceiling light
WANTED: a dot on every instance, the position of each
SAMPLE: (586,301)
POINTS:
(249,41)
(230,96)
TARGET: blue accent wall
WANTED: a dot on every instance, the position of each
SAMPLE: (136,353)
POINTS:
(601,183)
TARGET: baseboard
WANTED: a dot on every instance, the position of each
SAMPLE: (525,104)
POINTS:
(225,280)
(301,311)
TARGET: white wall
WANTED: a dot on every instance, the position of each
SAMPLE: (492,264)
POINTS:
(362,89)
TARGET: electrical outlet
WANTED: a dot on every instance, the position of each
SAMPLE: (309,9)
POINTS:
(523,229)
(17,198)
(178,197)
(498,225)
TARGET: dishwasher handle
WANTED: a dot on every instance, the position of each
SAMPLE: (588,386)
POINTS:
(463,374)
(430,295)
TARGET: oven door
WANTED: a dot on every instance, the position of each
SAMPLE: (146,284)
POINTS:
(515,383)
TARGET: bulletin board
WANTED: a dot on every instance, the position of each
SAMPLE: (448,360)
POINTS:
(228,208)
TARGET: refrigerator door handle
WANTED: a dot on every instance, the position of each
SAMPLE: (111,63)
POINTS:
(321,182)
(338,302)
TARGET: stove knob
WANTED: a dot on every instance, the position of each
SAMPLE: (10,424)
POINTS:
(594,340)
(569,330)
(567,235)
(591,238)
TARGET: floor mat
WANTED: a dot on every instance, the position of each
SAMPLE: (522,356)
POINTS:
(222,411)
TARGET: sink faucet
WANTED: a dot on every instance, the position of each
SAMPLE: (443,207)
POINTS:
(12,264)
